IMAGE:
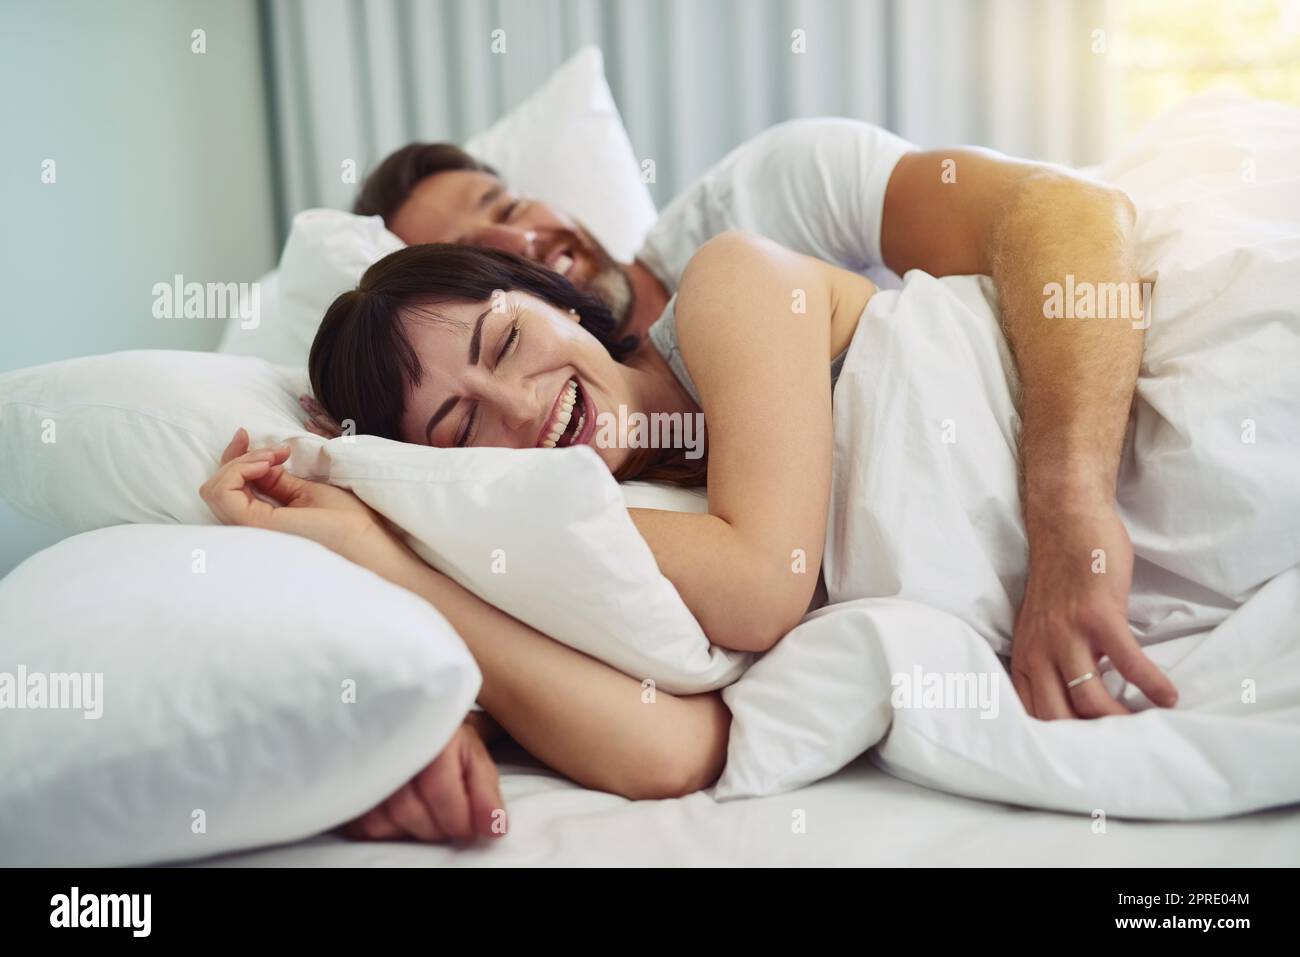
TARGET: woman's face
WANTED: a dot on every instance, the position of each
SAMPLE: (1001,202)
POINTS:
(514,372)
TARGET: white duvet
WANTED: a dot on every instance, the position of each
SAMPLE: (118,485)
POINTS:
(925,556)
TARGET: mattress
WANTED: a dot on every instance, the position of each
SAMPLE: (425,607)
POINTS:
(857,817)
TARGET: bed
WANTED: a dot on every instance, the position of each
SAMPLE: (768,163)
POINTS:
(288,764)
(860,816)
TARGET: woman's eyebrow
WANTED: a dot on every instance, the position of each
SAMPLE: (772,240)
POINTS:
(476,340)
(437,417)
(475,348)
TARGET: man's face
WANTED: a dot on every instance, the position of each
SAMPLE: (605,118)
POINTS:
(465,206)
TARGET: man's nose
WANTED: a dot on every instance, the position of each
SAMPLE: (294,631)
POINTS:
(511,239)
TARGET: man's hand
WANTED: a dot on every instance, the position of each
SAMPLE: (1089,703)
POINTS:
(1075,611)
(1032,228)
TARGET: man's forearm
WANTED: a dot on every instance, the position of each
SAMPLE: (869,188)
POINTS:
(1071,304)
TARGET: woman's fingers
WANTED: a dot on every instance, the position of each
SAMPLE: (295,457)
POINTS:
(374,825)
(227,491)
(456,797)
(409,812)
(320,422)
(237,447)
(442,786)
(487,810)
(279,483)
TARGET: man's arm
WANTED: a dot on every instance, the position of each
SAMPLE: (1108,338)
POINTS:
(1027,225)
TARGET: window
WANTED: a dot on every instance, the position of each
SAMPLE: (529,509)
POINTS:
(1169,50)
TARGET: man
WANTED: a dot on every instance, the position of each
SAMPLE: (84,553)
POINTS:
(862,198)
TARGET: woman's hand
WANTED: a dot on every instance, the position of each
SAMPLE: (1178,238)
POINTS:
(331,516)
(319,422)
(457,797)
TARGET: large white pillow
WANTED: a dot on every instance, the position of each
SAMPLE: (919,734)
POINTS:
(325,255)
(252,688)
(542,534)
(565,144)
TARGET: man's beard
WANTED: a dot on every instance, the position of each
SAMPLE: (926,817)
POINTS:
(609,281)
(613,287)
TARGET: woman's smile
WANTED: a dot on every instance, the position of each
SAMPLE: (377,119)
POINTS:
(572,420)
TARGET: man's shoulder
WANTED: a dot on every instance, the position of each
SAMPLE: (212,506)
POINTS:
(805,138)
(788,183)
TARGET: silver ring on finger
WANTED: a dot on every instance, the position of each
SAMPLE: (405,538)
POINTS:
(1075,682)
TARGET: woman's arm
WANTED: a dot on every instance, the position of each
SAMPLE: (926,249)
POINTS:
(578,715)
(758,325)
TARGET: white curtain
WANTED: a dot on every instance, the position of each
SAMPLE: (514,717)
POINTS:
(353,79)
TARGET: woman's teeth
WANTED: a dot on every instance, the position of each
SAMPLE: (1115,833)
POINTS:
(563,264)
(562,415)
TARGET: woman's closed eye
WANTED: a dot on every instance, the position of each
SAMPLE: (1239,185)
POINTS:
(512,337)
(509,341)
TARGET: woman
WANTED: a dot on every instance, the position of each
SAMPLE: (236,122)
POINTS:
(455,346)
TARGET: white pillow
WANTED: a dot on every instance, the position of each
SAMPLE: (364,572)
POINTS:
(325,255)
(247,688)
(130,437)
(543,534)
(565,144)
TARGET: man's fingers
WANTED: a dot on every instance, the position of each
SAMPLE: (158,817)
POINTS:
(1050,701)
(1024,689)
(1129,660)
(1089,698)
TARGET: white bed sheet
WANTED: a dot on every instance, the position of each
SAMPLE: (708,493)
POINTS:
(857,817)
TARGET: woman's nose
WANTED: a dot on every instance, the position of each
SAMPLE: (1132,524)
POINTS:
(521,406)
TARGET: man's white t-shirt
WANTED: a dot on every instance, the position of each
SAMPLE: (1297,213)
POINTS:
(816,186)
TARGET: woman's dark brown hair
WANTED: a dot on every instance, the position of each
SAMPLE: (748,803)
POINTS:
(362,365)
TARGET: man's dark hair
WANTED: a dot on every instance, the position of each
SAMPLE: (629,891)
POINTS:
(390,185)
